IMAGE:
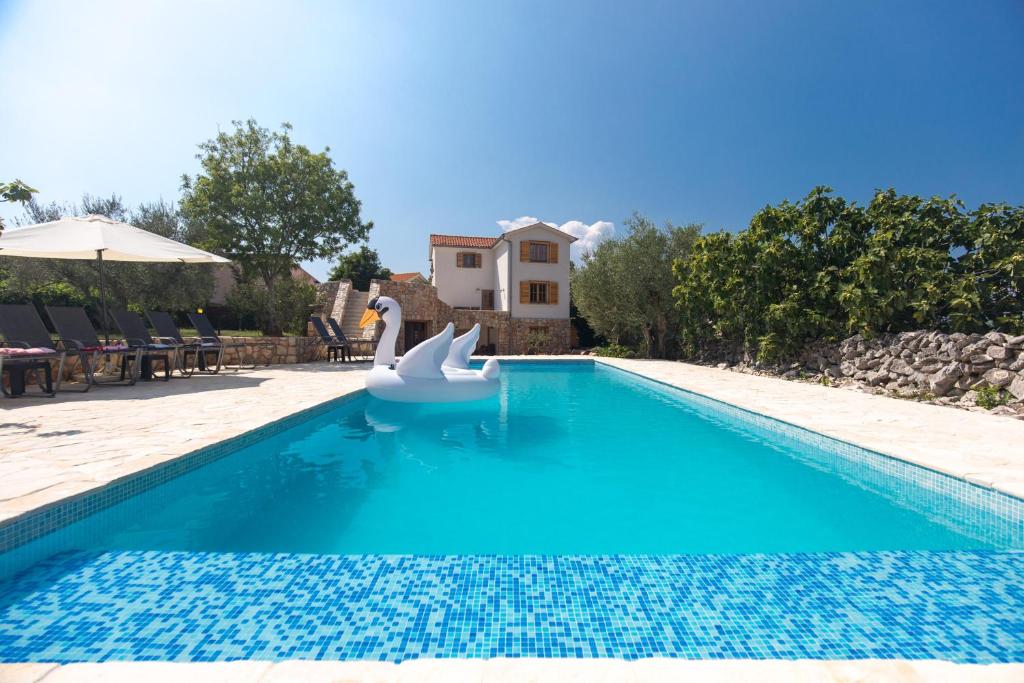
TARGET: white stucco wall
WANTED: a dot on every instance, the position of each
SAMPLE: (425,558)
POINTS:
(460,287)
(501,288)
(549,272)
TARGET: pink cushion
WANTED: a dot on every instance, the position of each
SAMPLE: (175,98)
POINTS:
(15,351)
(109,348)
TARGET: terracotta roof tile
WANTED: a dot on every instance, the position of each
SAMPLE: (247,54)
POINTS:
(463,241)
(403,277)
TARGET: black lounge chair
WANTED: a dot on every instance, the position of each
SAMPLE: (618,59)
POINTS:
(333,345)
(137,336)
(168,333)
(78,337)
(208,335)
(367,347)
(28,347)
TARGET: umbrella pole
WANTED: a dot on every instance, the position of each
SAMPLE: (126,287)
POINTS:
(103,298)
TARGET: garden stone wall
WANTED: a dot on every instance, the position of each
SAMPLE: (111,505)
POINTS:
(278,350)
(973,371)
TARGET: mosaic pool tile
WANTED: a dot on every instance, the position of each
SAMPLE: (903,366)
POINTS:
(960,606)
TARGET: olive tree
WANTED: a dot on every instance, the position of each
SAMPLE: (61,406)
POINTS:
(624,287)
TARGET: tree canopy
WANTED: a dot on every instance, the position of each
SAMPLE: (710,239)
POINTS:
(269,203)
(624,287)
(360,266)
(823,268)
(15,191)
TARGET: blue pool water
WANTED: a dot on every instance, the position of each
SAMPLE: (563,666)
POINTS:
(582,512)
(568,459)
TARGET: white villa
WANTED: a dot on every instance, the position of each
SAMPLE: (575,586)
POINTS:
(478,273)
(516,285)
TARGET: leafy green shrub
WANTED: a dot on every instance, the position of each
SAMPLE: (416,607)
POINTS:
(825,268)
(538,341)
(990,397)
(615,351)
(289,304)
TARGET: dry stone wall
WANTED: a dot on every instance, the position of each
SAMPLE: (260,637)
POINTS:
(973,371)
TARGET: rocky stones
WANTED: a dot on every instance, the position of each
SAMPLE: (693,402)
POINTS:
(998,378)
(876,377)
(1016,387)
(943,380)
(947,369)
(1003,410)
(998,352)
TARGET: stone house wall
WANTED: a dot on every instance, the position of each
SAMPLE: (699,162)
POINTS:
(419,301)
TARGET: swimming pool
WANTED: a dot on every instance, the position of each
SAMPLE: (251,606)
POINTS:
(392,531)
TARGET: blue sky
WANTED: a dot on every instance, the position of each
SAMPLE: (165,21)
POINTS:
(451,117)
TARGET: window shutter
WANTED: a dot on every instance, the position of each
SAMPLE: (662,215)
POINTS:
(524,250)
(458,260)
(524,291)
(552,292)
(552,252)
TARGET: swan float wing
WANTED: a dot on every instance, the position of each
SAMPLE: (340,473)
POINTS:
(424,360)
(462,348)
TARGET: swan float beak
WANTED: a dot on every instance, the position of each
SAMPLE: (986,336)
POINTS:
(370,316)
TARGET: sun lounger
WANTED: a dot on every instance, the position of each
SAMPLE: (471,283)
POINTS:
(78,337)
(367,347)
(208,335)
(28,346)
(333,345)
(137,336)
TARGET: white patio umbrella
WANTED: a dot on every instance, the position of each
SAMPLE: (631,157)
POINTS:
(98,237)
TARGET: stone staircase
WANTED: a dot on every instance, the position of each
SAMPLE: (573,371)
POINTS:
(355,306)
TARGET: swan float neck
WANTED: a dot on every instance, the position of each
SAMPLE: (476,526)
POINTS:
(433,371)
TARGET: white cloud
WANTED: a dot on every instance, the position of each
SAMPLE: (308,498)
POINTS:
(588,236)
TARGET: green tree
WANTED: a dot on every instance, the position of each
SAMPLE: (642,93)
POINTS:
(624,287)
(269,203)
(360,266)
(823,267)
(14,191)
(291,302)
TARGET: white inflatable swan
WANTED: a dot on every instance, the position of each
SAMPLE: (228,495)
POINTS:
(433,371)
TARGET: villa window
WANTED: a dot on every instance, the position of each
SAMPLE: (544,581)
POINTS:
(538,292)
(534,292)
(538,252)
(487,299)
(468,259)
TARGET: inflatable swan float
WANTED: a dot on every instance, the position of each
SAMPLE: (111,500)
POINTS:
(433,371)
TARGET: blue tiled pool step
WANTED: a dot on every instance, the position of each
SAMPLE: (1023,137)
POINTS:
(963,606)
